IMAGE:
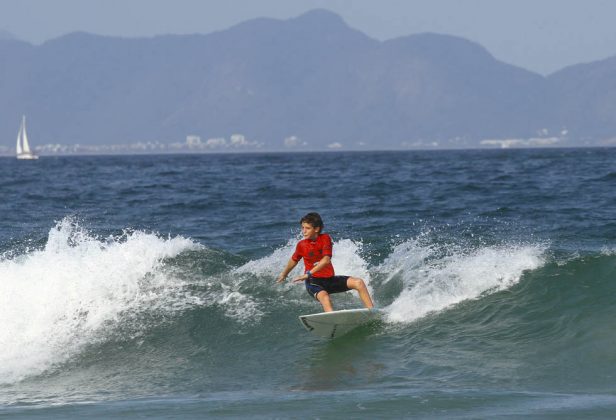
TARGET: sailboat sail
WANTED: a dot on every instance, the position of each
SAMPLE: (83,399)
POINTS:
(23,147)
(25,144)
(18,147)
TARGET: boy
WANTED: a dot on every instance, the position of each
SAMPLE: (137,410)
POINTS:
(319,277)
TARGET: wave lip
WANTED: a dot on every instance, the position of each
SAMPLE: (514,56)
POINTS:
(62,297)
(434,279)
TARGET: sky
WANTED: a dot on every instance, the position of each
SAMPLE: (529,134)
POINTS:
(538,35)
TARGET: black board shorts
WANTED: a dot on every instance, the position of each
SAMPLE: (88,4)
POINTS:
(335,284)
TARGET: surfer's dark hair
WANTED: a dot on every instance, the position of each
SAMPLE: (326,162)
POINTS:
(313,219)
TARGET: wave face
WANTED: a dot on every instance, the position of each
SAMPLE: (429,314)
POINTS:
(80,290)
(497,291)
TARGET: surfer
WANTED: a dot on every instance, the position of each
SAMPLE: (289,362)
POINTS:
(319,276)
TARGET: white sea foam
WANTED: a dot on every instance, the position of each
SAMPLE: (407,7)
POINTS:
(348,260)
(608,250)
(238,306)
(435,278)
(55,300)
(271,265)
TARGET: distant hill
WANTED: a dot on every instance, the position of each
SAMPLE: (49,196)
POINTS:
(586,99)
(6,35)
(312,80)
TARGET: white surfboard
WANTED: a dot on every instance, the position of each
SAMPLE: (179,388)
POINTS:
(336,323)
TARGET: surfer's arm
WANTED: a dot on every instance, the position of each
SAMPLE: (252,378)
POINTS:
(316,268)
(290,266)
(322,263)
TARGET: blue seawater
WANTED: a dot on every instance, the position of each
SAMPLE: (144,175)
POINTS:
(144,286)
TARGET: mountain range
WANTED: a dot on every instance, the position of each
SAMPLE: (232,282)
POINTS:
(306,83)
(6,35)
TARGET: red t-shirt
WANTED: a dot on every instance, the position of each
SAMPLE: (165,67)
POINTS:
(312,252)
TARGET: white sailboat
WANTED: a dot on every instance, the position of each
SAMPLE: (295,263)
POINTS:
(23,147)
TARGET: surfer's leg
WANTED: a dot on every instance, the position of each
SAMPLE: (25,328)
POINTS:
(323,297)
(359,285)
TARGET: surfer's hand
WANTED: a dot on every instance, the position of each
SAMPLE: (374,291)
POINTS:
(300,278)
(281,278)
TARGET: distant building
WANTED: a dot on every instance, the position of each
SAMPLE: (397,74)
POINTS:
(238,140)
(216,142)
(193,141)
(292,141)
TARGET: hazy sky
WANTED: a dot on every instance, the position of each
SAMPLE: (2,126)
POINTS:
(539,35)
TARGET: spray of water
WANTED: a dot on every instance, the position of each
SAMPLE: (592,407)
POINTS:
(435,277)
(59,298)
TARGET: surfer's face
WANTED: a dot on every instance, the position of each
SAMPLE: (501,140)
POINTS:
(309,231)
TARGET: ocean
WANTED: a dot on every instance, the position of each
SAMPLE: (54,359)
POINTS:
(144,286)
